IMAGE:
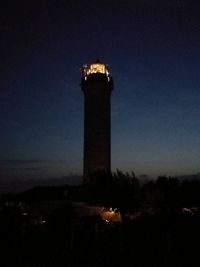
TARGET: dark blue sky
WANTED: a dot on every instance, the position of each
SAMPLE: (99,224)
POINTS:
(153,51)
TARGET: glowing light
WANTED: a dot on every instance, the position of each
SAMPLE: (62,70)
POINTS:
(95,68)
(111,211)
(110,215)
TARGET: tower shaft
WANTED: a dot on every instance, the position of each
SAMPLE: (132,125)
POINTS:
(97,85)
(97,144)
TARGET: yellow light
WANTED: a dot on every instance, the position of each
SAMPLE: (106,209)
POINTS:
(95,68)
(111,215)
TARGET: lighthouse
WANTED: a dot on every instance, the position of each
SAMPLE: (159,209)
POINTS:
(97,85)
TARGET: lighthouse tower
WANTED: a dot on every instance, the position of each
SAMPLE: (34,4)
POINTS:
(97,85)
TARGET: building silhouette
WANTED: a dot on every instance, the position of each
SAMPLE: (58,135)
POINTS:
(97,85)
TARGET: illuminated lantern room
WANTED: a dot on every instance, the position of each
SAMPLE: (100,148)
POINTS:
(96,68)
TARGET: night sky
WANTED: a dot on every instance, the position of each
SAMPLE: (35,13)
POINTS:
(153,52)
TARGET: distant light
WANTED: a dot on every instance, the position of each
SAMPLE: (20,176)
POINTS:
(110,215)
(187,210)
(111,211)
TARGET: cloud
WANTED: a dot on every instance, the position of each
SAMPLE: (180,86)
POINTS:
(17,162)
(33,168)
(17,184)
(22,165)
(28,161)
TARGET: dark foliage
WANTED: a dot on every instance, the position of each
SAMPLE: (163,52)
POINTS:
(116,190)
(162,232)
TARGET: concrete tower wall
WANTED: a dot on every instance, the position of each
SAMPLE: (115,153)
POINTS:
(97,123)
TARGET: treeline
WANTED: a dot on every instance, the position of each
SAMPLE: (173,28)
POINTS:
(162,235)
(124,191)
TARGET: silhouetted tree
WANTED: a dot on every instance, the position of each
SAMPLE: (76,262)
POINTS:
(119,190)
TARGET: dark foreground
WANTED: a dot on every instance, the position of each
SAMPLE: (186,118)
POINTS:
(157,240)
